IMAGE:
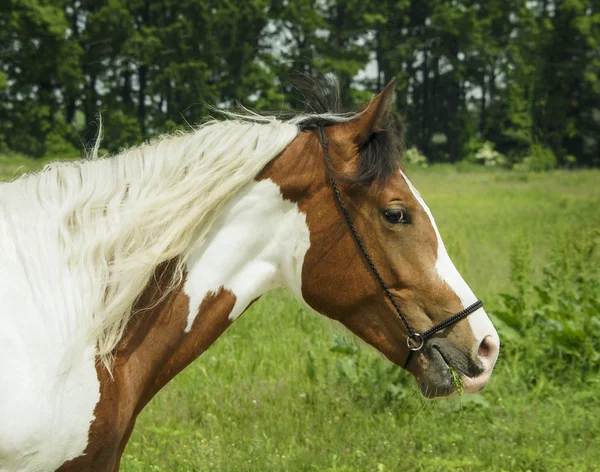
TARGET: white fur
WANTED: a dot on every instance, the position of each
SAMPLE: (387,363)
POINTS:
(481,326)
(258,243)
(48,382)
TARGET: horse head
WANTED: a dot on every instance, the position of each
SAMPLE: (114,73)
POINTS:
(400,237)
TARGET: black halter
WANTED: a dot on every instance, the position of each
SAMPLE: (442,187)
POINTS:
(415,341)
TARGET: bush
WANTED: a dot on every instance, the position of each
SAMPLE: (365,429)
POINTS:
(414,157)
(539,159)
(57,147)
(120,130)
(488,156)
(553,327)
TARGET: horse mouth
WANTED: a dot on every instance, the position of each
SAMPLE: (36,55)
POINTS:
(439,381)
(450,365)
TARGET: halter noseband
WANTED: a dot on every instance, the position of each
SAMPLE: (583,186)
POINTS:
(415,341)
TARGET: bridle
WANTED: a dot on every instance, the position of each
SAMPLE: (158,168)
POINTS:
(415,341)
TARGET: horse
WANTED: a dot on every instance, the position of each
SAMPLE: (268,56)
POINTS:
(116,273)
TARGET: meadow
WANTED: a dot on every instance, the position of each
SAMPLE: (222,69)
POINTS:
(285,389)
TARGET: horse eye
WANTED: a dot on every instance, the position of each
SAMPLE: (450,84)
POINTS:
(395,216)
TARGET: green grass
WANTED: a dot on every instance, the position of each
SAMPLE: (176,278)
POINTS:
(269,394)
(13,165)
(277,392)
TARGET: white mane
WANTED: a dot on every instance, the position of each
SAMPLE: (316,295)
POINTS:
(116,219)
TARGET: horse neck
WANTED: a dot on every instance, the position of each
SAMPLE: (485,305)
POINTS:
(258,243)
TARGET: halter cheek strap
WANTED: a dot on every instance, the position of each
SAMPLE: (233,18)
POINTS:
(415,341)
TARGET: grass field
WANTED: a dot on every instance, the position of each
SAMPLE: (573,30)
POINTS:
(284,389)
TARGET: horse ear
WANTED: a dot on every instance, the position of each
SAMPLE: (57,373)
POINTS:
(373,116)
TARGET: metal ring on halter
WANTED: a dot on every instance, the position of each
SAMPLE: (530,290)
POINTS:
(415,342)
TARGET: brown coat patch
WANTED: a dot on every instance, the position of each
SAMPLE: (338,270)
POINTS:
(154,350)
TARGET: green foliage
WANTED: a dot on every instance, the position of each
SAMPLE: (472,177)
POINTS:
(123,132)
(555,323)
(370,382)
(458,382)
(413,157)
(539,159)
(57,147)
(488,156)
(518,74)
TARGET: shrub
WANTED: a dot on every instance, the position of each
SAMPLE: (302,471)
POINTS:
(554,326)
(414,157)
(120,130)
(488,156)
(57,147)
(539,159)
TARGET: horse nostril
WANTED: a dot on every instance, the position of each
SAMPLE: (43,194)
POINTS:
(488,349)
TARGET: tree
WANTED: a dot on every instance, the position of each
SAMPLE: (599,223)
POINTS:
(521,74)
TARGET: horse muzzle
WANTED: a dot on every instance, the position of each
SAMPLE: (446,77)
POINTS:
(436,379)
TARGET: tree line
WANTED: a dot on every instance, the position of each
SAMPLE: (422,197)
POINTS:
(522,76)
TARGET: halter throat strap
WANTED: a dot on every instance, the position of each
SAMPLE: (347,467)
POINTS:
(415,341)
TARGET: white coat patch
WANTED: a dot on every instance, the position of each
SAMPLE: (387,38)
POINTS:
(48,382)
(258,243)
